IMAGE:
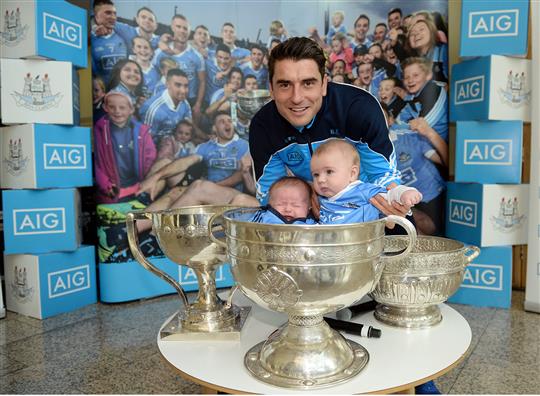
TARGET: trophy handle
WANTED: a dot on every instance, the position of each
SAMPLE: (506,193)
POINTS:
(475,251)
(411,233)
(211,231)
(133,239)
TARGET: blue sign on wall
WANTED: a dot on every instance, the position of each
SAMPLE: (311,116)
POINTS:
(494,27)
(488,152)
(487,281)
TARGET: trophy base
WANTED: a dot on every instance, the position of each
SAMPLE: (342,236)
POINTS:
(174,329)
(407,317)
(314,362)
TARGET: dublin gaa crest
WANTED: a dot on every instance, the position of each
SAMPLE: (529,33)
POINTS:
(508,219)
(19,286)
(16,161)
(37,94)
(13,32)
(516,92)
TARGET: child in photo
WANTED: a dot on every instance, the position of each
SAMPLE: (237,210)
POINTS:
(277,32)
(289,202)
(143,54)
(338,17)
(124,150)
(98,94)
(342,51)
(165,64)
(387,95)
(335,167)
(180,144)
(127,78)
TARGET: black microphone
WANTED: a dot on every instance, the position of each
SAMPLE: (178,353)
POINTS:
(355,310)
(354,328)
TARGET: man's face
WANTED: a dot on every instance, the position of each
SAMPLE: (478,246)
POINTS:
(180,28)
(291,202)
(379,33)
(251,84)
(146,21)
(178,88)
(105,15)
(236,81)
(223,60)
(119,109)
(415,78)
(224,128)
(142,49)
(201,37)
(256,57)
(298,89)
(227,34)
(365,73)
(332,171)
(394,20)
(361,28)
(386,91)
(183,133)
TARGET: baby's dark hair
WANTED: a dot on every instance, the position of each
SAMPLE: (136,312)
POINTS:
(293,181)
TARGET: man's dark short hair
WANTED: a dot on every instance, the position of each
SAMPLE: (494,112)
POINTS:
(228,24)
(235,69)
(201,27)
(220,113)
(296,49)
(223,48)
(145,9)
(394,10)
(360,50)
(179,16)
(381,24)
(259,47)
(98,3)
(176,72)
(362,16)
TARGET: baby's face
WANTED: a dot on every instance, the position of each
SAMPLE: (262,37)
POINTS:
(291,202)
(332,171)
(183,134)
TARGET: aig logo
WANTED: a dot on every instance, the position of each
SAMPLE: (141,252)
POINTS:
(188,276)
(499,23)
(469,90)
(39,221)
(488,152)
(62,31)
(64,156)
(68,281)
(483,276)
(463,212)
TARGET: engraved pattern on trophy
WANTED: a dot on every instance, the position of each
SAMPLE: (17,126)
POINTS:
(410,288)
(277,289)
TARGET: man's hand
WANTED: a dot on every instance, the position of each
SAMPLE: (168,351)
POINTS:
(395,208)
(246,163)
(100,30)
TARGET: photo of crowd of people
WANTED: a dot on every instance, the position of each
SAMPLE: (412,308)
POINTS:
(168,131)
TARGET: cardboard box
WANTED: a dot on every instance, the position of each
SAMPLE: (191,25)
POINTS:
(45,285)
(487,281)
(45,156)
(491,88)
(38,91)
(41,221)
(491,27)
(487,214)
(127,281)
(45,29)
(489,152)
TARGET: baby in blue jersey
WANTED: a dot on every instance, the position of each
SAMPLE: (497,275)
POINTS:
(343,198)
(289,202)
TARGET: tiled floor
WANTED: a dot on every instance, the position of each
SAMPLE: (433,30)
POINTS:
(111,349)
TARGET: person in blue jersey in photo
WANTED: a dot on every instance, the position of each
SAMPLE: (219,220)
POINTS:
(306,110)
(188,59)
(143,54)
(164,111)
(361,28)
(107,46)
(255,66)
(277,32)
(289,202)
(217,70)
(146,27)
(228,36)
(366,80)
(343,198)
(420,151)
(337,26)
(425,98)
(165,64)
(222,99)
(387,95)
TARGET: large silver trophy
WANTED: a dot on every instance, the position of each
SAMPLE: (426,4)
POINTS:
(306,272)
(249,102)
(411,287)
(182,235)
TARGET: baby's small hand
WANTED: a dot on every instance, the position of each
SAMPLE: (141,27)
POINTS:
(411,197)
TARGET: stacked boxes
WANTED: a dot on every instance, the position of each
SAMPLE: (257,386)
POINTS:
(47,271)
(490,100)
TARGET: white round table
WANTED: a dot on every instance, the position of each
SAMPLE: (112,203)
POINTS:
(398,361)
